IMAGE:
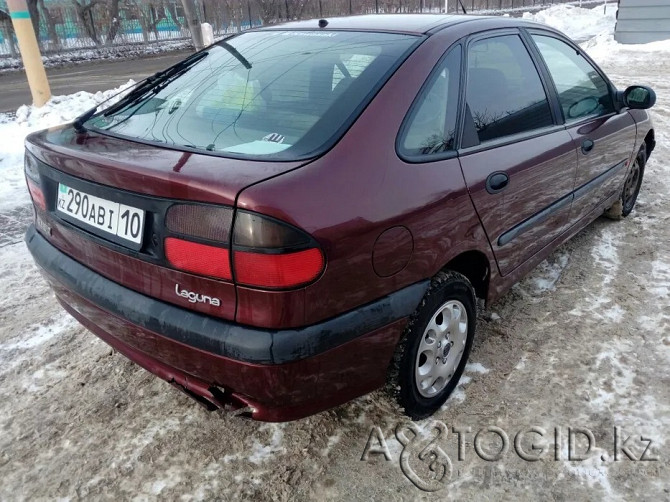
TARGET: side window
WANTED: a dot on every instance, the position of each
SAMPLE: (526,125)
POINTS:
(582,92)
(431,125)
(504,92)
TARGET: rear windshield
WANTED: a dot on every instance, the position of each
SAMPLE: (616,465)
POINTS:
(275,95)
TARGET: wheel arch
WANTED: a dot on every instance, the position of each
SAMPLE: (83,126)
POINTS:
(474,265)
(650,142)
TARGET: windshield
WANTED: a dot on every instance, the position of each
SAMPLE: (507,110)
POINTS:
(268,94)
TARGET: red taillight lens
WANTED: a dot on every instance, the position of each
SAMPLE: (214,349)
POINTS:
(37,195)
(197,258)
(31,168)
(267,253)
(278,270)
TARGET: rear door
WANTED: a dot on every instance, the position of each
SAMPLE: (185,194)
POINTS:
(602,138)
(518,161)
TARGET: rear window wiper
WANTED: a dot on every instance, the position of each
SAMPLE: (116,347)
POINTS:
(235,53)
(135,95)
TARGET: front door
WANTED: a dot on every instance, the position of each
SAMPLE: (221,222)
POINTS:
(602,138)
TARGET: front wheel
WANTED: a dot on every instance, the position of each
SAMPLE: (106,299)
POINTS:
(432,355)
(631,188)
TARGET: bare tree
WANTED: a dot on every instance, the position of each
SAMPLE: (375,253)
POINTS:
(268,10)
(7,30)
(115,21)
(48,17)
(297,8)
(172,10)
(84,10)
(148,14)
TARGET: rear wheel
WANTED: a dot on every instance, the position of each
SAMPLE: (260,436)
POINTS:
(631,188)
(430,359)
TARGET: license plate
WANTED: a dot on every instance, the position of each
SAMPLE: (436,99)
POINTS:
(125,222)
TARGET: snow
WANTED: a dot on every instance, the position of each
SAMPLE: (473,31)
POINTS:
(332,441)
(547,274)
(603,48)
(476,368)
(594,27)
(14,129)
(41,333)
(263,452)
(458,396)
(577,22)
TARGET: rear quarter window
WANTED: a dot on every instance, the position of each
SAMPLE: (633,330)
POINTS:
(430,127)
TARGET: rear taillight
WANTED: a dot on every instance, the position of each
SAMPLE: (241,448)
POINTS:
(266,253)
(277,270)
(198,258)
(205,222)
(269,253)
(33,181)
(200,238)
(37,195)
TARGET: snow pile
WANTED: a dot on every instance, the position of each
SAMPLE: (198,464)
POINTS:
(13,130)
(578,23)
(604,48)
(594,28)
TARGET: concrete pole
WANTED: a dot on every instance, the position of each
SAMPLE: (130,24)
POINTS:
(30,51)
(191,15)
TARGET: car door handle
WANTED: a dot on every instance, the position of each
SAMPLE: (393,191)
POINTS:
(587,146)
(496,182)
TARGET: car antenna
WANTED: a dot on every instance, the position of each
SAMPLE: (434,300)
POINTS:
(323,23)
(462,7)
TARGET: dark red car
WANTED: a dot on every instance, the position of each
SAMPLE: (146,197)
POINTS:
(299,214)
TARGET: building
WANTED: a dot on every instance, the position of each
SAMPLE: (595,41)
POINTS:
(642,21)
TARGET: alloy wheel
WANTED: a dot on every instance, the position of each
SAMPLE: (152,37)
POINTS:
(441,349)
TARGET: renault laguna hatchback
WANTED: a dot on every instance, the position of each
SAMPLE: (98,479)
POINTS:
(301,214)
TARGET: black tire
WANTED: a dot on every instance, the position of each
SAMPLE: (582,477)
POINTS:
(630,189)
(445,287)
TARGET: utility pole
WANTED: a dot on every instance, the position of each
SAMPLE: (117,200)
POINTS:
(30,51)
(193,25)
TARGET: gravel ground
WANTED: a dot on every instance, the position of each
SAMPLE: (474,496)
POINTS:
(581,344)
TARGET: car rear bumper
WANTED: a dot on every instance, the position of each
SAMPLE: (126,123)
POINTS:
(279,374)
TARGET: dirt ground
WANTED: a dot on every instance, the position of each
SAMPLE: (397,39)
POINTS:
(581,344)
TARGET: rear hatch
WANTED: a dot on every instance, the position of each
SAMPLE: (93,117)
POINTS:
(143,192)
(141,182)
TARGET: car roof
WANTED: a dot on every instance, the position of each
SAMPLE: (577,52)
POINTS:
(400,23)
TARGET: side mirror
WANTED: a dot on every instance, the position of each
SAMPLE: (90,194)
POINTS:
(639,97)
